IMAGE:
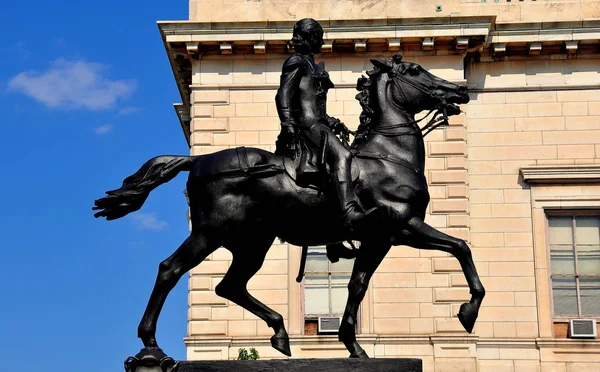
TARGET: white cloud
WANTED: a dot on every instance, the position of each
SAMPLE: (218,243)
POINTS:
(103,129)
(129,110)
(73,84)
(149,221)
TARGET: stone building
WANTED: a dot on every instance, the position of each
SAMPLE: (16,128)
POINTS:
(517,176)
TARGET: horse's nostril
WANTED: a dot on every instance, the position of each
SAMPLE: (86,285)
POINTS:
(463,89)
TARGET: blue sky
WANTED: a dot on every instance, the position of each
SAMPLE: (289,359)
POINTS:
(86,97)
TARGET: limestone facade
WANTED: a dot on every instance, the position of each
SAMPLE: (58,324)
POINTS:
(526,147)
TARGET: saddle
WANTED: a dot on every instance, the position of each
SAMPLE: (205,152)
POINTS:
(306,170)
(310,169)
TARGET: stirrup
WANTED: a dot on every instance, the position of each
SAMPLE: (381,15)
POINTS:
(336,251)
(369,219)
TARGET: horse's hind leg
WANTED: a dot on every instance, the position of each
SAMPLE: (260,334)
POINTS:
(247,260)
(369,257)
(425,236)
(191,252)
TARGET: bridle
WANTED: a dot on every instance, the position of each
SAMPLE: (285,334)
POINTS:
(439,118)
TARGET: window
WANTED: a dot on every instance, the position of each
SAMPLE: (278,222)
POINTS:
(325,287)
(575,264)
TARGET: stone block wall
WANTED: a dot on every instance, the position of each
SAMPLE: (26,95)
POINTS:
(521,114)
(509,127)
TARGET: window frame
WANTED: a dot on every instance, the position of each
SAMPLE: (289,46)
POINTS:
(313,317)
(555,187)
(573,213)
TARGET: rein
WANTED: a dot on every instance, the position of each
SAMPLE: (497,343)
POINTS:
(394,129)
(390,158)
(434,123)
(440,117)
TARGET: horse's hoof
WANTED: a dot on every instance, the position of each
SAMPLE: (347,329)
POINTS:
(281,344)
(467,316)
(361,354)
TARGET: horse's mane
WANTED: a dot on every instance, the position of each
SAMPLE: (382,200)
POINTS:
(365,99)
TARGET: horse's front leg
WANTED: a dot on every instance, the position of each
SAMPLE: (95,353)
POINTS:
(424,236)
(369,257)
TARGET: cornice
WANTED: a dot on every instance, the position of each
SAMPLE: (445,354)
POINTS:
(513,343)
(559,174)
(480,36)
(183,114)
(186,41)
(197,39)
(533,88)
(187,31)
(535,38)
(328,341)
(566,343)
(588,346)
(333,340)
(275,86)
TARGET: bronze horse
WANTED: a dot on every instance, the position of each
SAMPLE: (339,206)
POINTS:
(242,199)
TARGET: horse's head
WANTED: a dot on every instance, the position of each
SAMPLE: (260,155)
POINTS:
(415,89)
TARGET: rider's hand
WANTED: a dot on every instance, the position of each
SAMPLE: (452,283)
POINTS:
(339,128)
(287,141)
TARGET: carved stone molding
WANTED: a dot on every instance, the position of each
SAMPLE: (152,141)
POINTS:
(394,45)
(571,46)
(591,345)
(226,48)
(462,42)
(360,45)
(498,50)
(556,174)
(428,43)
(327,46)
(183,114)
(192,47)
(535,48)
(260,47)
(187,41)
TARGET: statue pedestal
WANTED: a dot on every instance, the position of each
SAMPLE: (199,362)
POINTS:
(304,365)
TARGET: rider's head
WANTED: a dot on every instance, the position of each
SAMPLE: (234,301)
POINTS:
(308,36)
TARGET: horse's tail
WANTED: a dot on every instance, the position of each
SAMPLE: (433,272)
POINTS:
(136,188)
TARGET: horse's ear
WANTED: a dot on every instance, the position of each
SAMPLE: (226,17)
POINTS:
(385,66)
(397,58)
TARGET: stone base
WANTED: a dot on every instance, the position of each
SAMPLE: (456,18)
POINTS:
(304,365)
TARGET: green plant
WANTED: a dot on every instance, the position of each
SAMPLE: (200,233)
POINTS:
(244,355)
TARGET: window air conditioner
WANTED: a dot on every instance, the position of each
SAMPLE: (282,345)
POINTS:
(582,328)
(329,324)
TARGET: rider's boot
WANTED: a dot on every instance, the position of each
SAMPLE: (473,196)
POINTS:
(352,212)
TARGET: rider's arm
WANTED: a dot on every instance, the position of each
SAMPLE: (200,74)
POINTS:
(288,87)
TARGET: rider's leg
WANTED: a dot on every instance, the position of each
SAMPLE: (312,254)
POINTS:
(339,160)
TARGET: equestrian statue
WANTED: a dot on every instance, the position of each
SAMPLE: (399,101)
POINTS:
(316,189)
